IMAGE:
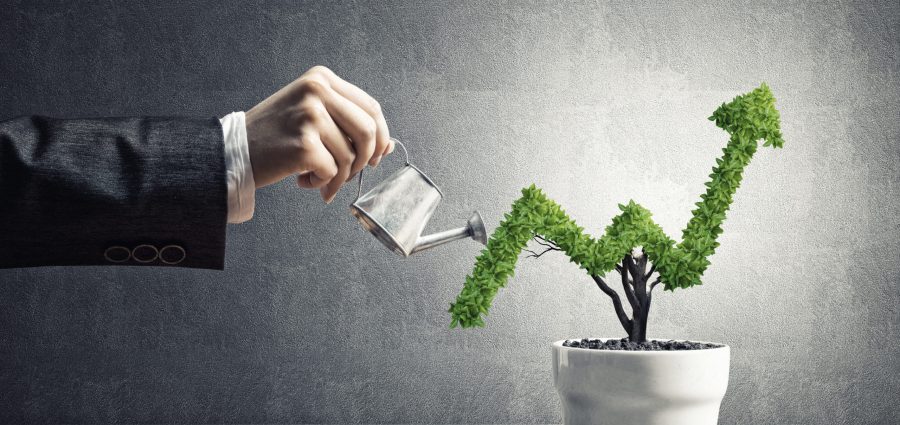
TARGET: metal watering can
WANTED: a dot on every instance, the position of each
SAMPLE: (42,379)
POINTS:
(397,210)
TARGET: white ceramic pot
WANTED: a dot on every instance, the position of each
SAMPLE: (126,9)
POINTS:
(640,387)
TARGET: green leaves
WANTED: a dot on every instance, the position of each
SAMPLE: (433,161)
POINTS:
(751,117)
(748,118)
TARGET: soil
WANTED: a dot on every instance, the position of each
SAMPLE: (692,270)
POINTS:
(625,345)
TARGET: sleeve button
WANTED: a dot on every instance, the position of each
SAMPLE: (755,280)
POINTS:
(145,253)
(117,254)
(172,254)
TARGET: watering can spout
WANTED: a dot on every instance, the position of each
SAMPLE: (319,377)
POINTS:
(474,229)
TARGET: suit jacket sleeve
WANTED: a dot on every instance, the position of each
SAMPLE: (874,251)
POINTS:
(112,191)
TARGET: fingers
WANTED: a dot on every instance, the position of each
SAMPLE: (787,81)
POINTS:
(317,163)
(355,123)
(344,130)
(361,99)
(335,141)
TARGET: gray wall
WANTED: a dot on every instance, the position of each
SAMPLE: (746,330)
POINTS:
(313,321)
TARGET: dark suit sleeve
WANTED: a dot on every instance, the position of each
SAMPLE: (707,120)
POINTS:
(128,191)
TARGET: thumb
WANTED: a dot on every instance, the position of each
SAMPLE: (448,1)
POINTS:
(309,180)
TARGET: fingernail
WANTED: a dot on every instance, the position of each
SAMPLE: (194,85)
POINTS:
(376,161)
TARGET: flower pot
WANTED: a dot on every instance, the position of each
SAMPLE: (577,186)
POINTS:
(640,387)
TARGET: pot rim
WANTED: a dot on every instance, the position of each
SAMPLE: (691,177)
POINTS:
(722,347)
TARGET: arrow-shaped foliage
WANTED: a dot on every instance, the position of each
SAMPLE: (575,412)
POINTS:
(748,118)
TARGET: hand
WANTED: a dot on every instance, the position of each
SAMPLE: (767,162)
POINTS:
(319,126)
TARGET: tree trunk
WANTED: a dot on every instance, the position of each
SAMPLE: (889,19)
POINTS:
(637,268)
(638,331)
(636,292)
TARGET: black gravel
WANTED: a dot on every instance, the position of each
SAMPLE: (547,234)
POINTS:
(625,345)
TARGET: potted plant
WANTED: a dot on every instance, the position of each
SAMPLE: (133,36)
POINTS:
(632,380)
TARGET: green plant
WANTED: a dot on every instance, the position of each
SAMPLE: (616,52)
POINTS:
(633,238)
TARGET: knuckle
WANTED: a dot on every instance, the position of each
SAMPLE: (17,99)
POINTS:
(314,112)
(347,159)
(329,173)
(382,146)
(374,107)
(309,142)
(369,129)
(341,174)
(312,85)
(320,69)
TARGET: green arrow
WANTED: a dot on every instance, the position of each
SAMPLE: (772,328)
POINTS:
(748,118)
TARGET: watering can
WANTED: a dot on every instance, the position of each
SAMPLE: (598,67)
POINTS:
(397,210)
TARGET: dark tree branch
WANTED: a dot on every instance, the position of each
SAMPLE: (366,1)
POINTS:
(543,241)
(550,246)
(623,273)
(617,303)
(627,285)
(642,262)
(538,255)
(653,285)
(652,269)
(629,262)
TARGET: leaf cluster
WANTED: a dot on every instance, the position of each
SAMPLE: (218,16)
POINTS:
(748,118)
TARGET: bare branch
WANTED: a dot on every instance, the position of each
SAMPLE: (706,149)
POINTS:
(628,286)
(629,262)
(653,285)
(550,246)
(538,255)
(553,247)
(546,242)
(652,269)
(617,303)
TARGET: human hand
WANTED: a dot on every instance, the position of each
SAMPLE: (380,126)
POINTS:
(319,126)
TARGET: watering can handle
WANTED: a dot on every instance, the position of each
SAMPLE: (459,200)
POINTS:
(405,153)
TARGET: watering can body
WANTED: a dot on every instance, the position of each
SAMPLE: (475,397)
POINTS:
(397,210)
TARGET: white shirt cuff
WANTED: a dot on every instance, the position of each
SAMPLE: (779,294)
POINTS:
(239,172)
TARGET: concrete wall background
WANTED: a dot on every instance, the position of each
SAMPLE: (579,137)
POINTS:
(597,103)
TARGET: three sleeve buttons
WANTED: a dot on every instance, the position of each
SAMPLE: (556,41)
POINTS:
(145,254)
